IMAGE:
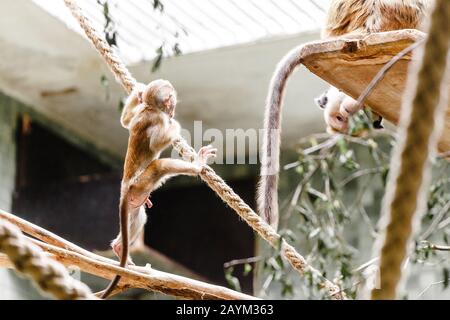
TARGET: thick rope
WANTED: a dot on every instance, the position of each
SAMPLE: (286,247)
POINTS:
(420,127)
(50,276)
(208,174)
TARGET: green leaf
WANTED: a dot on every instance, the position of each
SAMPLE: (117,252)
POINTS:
(232,280)
(288,234)
(247,269)
(110,28)
(121,105)
(104,81)
(314,233)
(446,277)
(273,263)
(176,49)
(158,59)
(158,5)
(342,145)
(287,288)
(280,261)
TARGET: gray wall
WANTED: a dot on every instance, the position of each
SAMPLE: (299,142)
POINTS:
(11,286)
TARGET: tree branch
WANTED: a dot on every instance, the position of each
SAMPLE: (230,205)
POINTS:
(439,247)
(147,278)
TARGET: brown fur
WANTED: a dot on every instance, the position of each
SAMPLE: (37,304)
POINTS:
(367,16)
(148,114)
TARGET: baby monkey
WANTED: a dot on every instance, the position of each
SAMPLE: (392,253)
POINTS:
(337,108)
(148,114)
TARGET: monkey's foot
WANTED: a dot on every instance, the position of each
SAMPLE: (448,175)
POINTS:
(349,107)
(117,249)
(148,203)
(205,153)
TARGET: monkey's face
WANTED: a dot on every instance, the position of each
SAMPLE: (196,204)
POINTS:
(330,101)
(322,100)
(161,95)
(335,121)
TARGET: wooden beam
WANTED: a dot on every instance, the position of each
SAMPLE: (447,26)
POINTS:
(350,65)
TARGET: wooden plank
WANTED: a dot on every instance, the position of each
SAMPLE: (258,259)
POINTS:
(350,64)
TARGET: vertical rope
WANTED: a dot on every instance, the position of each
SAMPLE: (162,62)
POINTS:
(50,276)
(407,187)
(208,174)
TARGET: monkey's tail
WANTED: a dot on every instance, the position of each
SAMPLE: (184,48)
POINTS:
(124,257)
(267,195)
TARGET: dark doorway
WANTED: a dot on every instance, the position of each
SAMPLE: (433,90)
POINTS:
(71,193)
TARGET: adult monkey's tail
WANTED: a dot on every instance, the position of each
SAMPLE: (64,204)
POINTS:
(267,195)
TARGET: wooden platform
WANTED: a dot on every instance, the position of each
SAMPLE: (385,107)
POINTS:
(350,64)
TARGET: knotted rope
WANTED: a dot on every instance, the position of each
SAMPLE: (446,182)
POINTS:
(420,126)
(208,174)
(50,276)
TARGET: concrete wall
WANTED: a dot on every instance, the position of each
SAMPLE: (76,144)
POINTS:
(225,88)
(11,286)
(8,117)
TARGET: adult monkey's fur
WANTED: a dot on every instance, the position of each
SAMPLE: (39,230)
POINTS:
(355,17)
(367,16)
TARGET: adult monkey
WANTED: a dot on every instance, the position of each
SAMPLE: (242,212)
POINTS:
(344,17)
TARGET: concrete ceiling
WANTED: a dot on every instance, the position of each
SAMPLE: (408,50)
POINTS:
(194,25)
(57,73)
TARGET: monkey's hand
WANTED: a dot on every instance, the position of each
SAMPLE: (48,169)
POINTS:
(204,154)
(348,107)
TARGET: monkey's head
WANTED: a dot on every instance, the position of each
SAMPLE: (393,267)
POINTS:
(330,101)
(160,94)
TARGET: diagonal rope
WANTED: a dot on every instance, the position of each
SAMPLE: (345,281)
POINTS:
(420,126)
(208,175)
(50,276)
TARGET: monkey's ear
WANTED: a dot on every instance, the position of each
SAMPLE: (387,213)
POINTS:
(378,124)
(319,102)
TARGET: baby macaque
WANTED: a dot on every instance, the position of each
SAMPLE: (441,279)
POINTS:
(148,114)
